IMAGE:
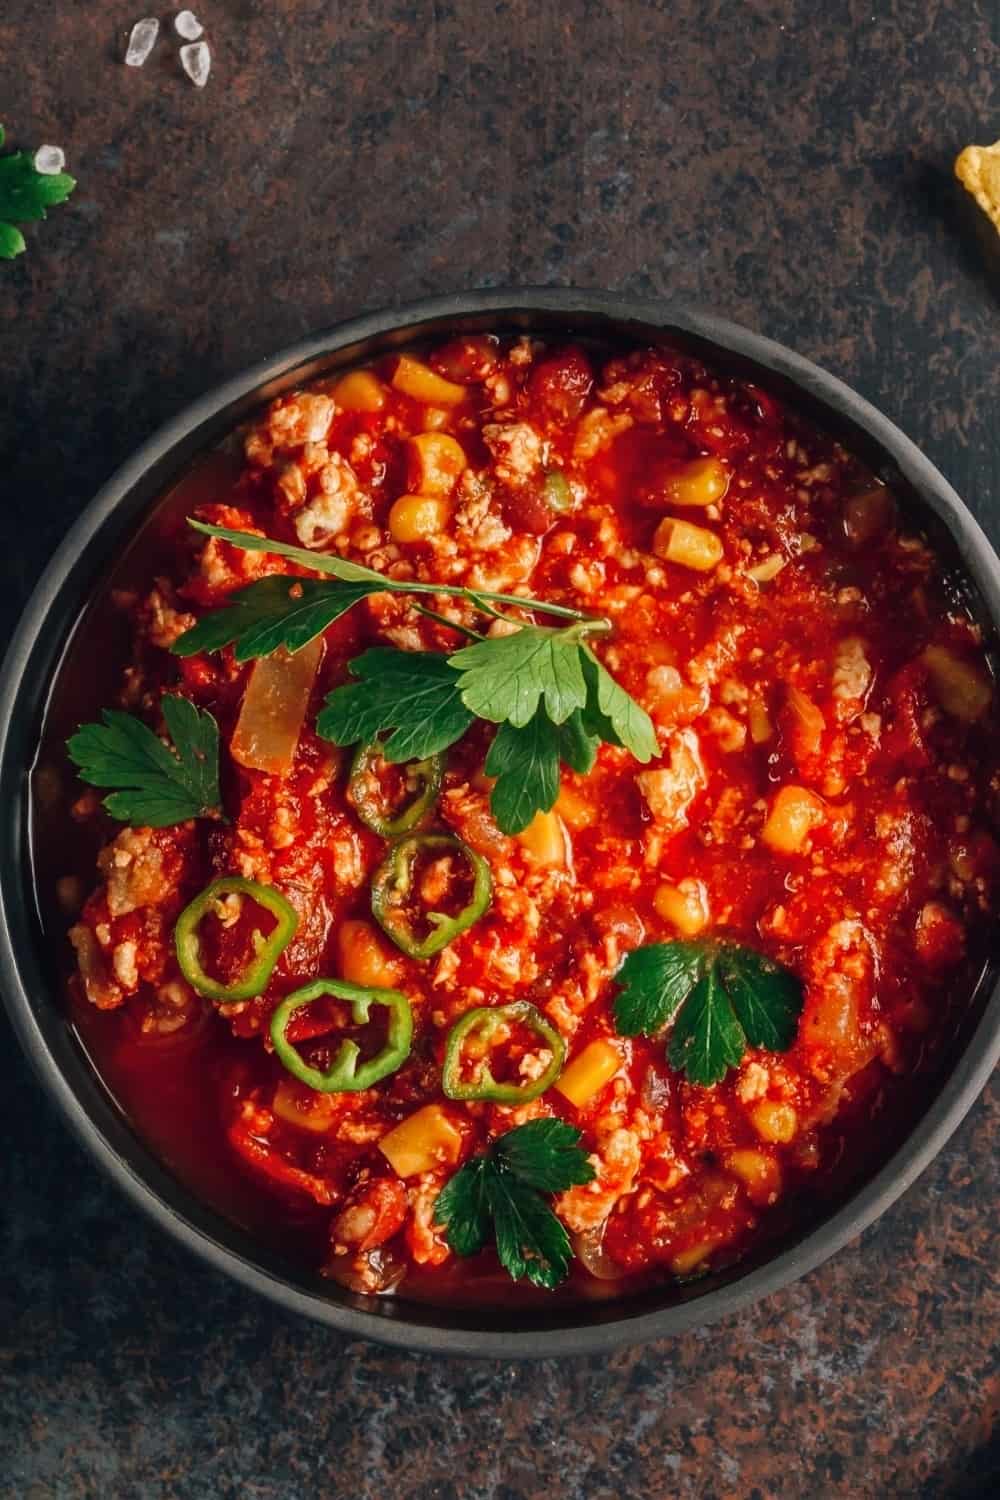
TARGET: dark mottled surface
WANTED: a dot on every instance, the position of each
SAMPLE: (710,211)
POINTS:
(785,161)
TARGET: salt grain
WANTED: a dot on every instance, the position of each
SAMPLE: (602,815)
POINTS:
(196,60)
(188,26)
(141,41)
(49,160)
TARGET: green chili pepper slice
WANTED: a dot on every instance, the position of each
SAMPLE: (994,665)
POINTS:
(258,971)
(392,885)
(362,791)
(485,1021)
(344,1076)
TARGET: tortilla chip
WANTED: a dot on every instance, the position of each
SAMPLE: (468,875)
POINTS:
(978,170)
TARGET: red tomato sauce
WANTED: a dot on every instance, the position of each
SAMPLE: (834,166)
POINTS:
(826,794)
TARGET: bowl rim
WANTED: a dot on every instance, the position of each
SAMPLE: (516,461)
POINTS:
(143,1180)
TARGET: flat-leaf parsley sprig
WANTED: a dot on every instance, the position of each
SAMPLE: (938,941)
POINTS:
(721,998)
(157,786)
(542,685)
(238,623)
(26,195)
(500,1195)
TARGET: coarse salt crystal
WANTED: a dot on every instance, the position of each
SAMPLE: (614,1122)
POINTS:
(187,25)
(49,160)
(196,60)
(141,42)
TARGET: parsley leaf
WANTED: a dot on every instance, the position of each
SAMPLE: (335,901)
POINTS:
(463,1205)
(655,980)
(720,997)
(577,746)
(612,715)
(531,1242)
(506,678)
(505,1186)
(157,786)
(278,611)
(525,763)
(707,1039)
(416,694)
(25,195)
(545,1155)
(413,693)
(767,998)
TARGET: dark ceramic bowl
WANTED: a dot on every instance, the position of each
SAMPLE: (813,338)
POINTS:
(76,573)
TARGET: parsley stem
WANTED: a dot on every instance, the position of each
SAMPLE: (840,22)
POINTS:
(474,595)
(432,614)
(348,572)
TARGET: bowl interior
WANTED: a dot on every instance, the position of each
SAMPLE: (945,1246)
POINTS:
(64,666)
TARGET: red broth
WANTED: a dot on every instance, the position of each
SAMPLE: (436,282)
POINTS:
(825,794)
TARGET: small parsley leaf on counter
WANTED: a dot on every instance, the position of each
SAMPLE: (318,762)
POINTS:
(501,1192)
(26,195)
(721,999)
(156,786)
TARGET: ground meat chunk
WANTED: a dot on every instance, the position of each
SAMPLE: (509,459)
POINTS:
(100,986)
(517,451)
(597,431)
(304,418)
(852,678)
(330,511)
(616,1163)
(670,790)
(133,865)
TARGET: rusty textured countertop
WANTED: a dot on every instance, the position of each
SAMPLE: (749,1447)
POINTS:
(784,162)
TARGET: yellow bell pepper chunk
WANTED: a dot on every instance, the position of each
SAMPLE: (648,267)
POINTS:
(418,380)
(298,1105)
(417,518)
(359,391)
(544,839)
(587,1074)
(795,812)
(423,1142)
(436,461)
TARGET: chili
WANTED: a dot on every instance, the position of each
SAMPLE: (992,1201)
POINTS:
(392,885)
(484,1021)
(362,792)
(344,1076)
(258,971)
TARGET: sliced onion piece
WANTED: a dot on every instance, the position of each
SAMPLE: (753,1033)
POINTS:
(376,1272)
(588,1247)
(274,709)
